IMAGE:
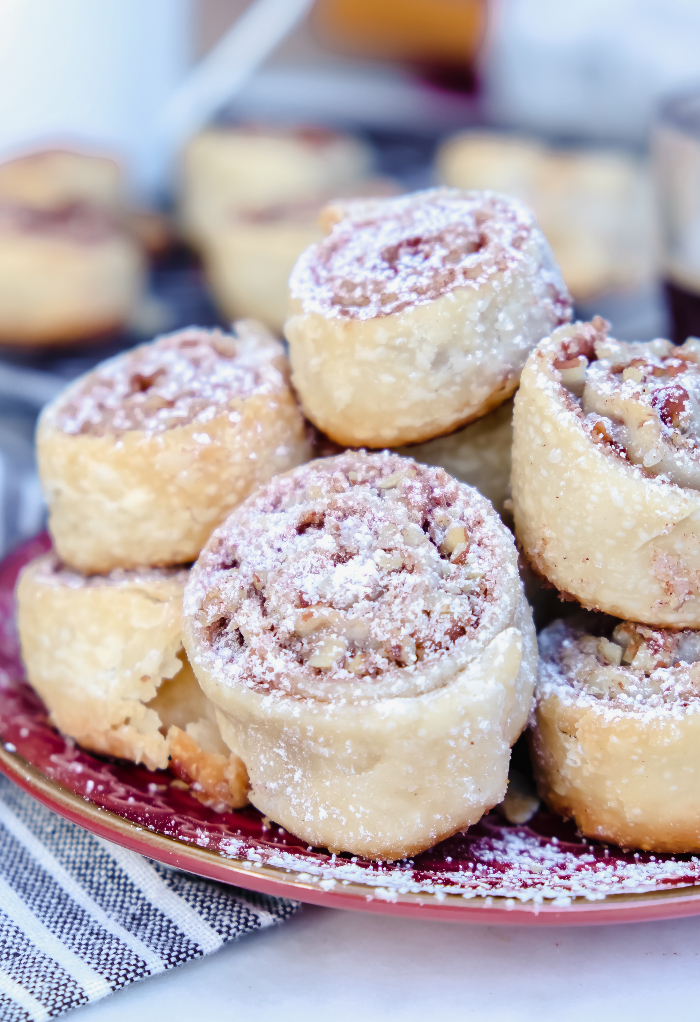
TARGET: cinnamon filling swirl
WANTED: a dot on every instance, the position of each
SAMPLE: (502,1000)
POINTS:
(356,569)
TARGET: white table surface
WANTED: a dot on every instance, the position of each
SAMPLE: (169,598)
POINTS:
(337,966)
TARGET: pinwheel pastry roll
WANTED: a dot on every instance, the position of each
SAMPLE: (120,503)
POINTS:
(105,654)
(247,167)
(478,454)
(360,625)
(415,315)
(66,273)
(143,456)
(616,731)
(606,472)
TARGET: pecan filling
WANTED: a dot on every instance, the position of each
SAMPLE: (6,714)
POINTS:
(379,565)
(630,665)
(642,400)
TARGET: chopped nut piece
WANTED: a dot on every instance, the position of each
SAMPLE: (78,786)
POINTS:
(311,620)
(455,536)
(260,578)
(632,374)
(357,664)
(609,652)
(573,373)
(459,554)
(390,481)
(413,535)
(388,561)
(328,652)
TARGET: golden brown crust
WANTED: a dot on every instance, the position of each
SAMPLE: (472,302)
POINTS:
(127,486)
(216,779)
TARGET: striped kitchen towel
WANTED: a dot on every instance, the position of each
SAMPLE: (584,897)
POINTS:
(80,917)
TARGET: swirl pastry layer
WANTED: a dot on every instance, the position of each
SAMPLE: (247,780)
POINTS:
(415,314)
(142,457)
(361,626)
(616,731)
(105,654)
(606,472)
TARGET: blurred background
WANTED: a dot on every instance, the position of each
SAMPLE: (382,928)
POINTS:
(163,162)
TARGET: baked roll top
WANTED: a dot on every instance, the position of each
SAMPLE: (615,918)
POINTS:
(606,472)
(415,314)
(616,731)
(361,626)
(142,457)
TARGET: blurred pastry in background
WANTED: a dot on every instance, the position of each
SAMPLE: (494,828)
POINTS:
(70,267)
(142,457)
(415,315)
(594,205)
(479,454)
(233,168)
(250,256)
(105,654)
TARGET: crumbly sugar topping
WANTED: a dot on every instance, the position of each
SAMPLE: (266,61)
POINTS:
(190,375)
(52,571)
(79,222)
(354,569)
(640,400)
(384,257)
(622,665)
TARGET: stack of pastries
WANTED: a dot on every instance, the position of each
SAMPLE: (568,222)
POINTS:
(606,491)
(357,624)
(139,460)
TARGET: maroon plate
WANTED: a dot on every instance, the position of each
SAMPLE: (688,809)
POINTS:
(496,872)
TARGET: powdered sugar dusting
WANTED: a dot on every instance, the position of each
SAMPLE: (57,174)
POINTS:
(491,860)
(186,376)
(383,257)
(355,569)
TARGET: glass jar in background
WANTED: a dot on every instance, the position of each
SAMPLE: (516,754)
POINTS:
(676,166)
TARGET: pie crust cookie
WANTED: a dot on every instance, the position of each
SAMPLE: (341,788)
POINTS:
(143,456)
(606,472)
(361,626)
(478,454)
(105,655)
(616,731)
(66,274)
(247,167)
(415,315)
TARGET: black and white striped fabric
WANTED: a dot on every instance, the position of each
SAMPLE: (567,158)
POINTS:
(80,917)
